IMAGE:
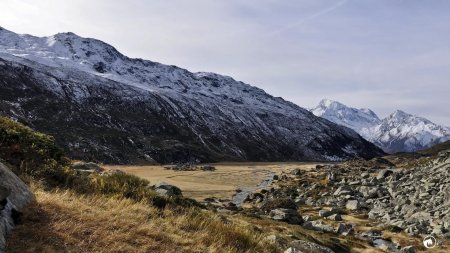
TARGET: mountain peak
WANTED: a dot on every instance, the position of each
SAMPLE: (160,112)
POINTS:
(71,34)
(329,103)
(341,114)
(400,114)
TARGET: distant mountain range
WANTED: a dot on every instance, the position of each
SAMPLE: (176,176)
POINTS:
(102,105)
(399,132)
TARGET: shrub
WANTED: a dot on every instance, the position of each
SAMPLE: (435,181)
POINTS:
(31,153)
(35,155)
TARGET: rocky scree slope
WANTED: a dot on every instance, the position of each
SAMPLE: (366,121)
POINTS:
(399,132)
(388,200)
(101,105)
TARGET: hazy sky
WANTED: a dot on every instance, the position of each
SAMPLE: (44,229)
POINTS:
(380,54)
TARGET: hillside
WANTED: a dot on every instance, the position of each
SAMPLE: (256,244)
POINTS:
(110,211)
(77,211)
(101,105)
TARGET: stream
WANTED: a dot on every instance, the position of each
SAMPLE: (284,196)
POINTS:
(240,197)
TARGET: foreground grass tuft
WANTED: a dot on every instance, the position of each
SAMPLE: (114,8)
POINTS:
(64,221)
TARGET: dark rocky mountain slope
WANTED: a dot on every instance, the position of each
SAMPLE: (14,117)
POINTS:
(101,105)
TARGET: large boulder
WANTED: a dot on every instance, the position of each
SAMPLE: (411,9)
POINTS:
(14,195)
(87,167)
(290,216)
(384,173)
(354,205)
(167,190)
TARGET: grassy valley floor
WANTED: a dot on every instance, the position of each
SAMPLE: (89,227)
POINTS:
(221,183)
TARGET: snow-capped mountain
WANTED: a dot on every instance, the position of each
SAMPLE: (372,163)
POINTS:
(102,105)
(398,132)
(356,119)
(401,131)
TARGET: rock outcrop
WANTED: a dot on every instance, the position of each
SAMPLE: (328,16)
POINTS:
(14,195)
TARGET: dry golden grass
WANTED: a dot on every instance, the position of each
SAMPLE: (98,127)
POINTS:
(221,183)
(64,221)
(68,222)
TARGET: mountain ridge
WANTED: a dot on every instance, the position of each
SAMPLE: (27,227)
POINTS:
(101,105)
(398,132)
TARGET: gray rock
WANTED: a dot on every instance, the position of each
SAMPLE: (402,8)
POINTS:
(18,196)
(318,226)
(307,218)
(300,201)
(297,172)
(274,239)
(420,217)
(409,249)
(353,205)
(343,190)
(167,190)
(331,176)
(310,201)
(334,217)
(385,245)
(300,246)
(87,167)
(438,231)
(4,192)
(384,173)
(325,213)
(290,216)
(345,229)
(369,192)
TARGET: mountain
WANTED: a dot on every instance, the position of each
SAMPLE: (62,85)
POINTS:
(104,106)
(399,132)
(356,119)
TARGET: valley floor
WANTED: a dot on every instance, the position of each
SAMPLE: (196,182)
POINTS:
(63,221)
(221,183)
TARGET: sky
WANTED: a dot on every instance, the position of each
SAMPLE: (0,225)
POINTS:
(378,54)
